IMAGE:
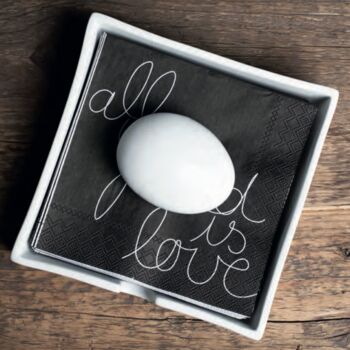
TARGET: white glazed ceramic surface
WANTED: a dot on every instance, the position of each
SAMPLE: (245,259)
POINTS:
(326,99)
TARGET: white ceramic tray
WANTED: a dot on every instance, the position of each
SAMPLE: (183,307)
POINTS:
(325,97)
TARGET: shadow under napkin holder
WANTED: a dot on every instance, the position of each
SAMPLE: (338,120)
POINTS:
(326,100)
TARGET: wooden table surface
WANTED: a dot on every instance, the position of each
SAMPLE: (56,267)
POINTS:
(39,45)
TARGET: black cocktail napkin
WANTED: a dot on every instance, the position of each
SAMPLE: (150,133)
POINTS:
(216,259)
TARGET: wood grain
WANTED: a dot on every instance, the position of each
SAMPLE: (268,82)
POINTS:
(39,48)
(35,329)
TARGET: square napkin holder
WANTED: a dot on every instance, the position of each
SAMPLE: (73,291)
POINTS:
(325,98)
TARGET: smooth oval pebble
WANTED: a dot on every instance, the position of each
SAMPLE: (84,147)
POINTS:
(175,163)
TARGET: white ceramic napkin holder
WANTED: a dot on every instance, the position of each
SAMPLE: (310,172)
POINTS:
(325,97)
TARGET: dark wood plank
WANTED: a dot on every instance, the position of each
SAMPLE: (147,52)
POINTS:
(315,283)
(36,329)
